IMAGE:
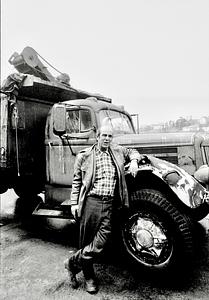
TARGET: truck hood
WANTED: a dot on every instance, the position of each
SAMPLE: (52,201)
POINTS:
(158,139)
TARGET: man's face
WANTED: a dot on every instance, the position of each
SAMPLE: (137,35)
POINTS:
(105,138)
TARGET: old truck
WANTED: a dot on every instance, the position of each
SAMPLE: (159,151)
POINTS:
(45,123)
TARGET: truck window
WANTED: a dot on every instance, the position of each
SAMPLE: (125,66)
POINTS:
(117,120)
(78,121)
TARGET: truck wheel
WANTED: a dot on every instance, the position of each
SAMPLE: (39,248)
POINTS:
(3,188)
(24,208)
(200,212)
(155,234)
(27,187)
(4,182)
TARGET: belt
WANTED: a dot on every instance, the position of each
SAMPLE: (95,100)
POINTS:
(103,198)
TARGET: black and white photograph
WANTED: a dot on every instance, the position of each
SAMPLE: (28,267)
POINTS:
(104,150)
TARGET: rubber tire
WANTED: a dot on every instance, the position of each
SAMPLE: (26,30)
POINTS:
(24,208)
(27,187)
(200,212)
(177,225)
(3,189)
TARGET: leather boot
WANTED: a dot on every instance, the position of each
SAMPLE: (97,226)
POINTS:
(89,275)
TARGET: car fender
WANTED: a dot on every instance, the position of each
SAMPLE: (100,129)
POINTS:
(184,186)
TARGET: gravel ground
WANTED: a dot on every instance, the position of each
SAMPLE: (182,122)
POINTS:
(32,268)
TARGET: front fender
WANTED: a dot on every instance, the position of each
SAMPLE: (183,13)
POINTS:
(186,187)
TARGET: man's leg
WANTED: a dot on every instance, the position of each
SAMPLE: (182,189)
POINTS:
(97,228)
(72,269)
(95,231)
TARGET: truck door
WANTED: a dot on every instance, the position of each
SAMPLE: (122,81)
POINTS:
(62,149)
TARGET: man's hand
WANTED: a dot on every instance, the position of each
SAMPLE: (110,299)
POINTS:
(133,167)
(74,210)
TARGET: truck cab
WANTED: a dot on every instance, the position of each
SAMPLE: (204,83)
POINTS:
(71,126)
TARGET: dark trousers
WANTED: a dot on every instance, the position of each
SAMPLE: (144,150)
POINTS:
(95,230)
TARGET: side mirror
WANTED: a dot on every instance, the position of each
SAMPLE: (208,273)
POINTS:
(59,119)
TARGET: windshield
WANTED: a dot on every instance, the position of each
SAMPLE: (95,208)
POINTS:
(119,122)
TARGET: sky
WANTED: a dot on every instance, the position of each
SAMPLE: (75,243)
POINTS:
(152,56)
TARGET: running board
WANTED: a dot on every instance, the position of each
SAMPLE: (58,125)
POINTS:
(59,212)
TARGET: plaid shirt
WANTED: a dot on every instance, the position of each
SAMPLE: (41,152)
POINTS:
(105,176)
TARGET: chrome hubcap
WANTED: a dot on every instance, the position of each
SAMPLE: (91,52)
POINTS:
(144,238)
(149,239)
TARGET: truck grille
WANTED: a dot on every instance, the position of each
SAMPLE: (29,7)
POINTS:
(166,153)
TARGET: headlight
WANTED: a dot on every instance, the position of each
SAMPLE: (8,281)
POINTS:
(202,174)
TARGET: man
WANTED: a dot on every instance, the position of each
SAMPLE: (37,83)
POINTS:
(98,182)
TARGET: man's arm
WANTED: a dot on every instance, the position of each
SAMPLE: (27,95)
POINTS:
(132,154)
(134,157)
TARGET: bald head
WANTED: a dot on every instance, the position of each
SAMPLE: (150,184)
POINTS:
(105,128)
(104,137)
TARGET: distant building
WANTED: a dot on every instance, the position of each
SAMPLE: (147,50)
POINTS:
(159,126)
(204,120)
(205,128)
(195,127)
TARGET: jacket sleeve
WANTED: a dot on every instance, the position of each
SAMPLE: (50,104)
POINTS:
(77,180)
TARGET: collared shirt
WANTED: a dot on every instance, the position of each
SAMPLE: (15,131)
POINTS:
(105,175)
